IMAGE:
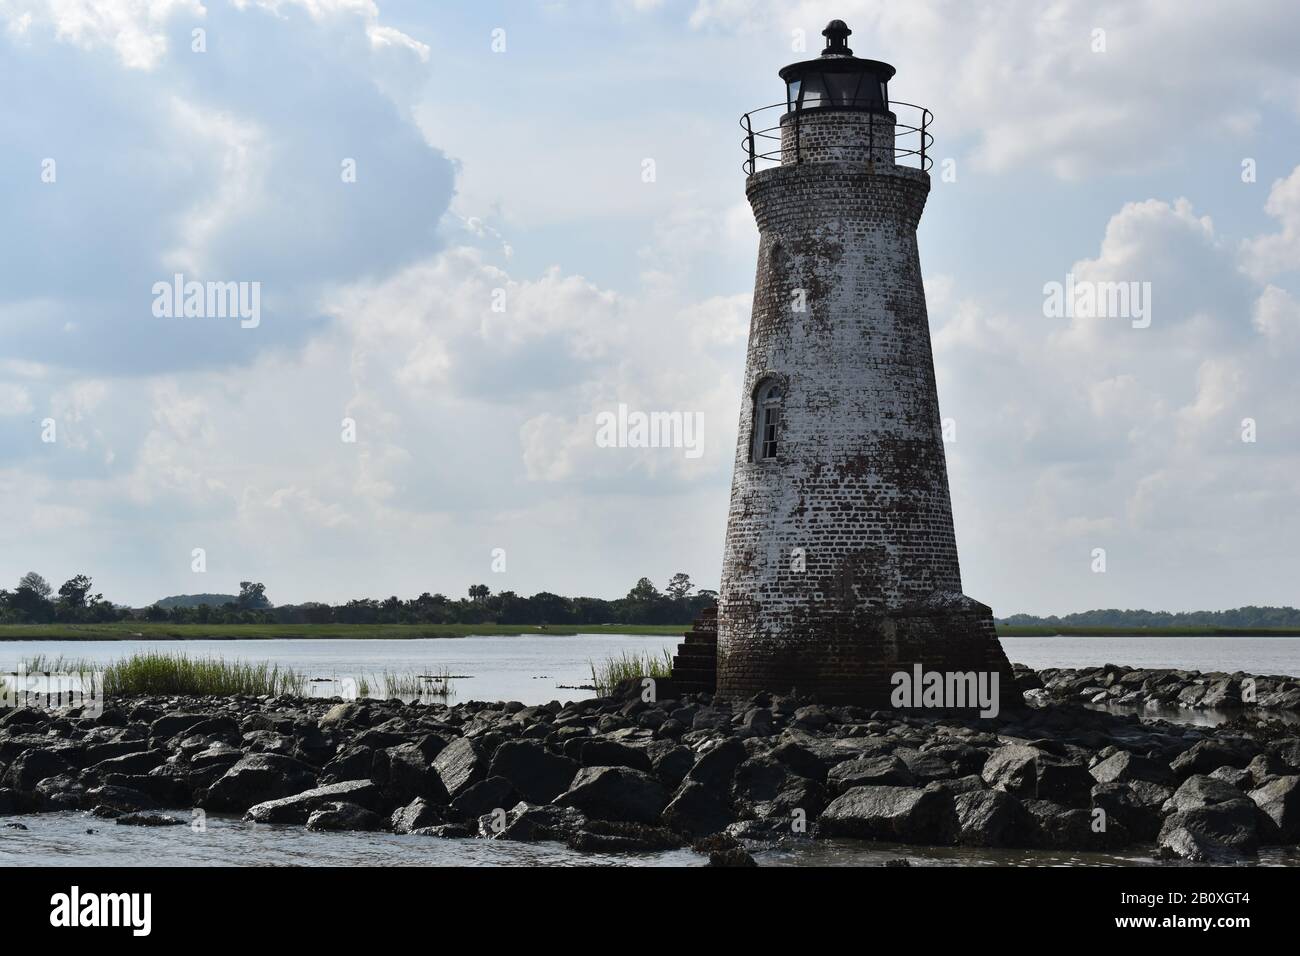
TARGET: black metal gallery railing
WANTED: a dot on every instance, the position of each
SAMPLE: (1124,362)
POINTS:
(764,146)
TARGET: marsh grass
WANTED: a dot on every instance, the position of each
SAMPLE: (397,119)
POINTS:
(607,674)
(156,673)
(435,684)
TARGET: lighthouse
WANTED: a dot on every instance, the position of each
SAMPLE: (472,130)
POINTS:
(840,569)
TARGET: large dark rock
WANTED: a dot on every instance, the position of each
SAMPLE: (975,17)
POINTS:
(1279,799)
(672,765)
(258,778)
(460,765)
(121,799)
(538,775)
(616,793)
(1013,769)
(529,822)
(899,814)
(1201,791)
(881,770)
(1032,773)
(698,810)
(717,767)
(1219,833)
(801,760)
(604,836)
(990,818)
(404,772)
(1206,756)
(609,753)
(1120,802)
(350,763)
(1123,767)
(416,815)
(484,797)
(169,725)
(134,763)
(32,766)
(297,808)
(1053,826)
(343,816)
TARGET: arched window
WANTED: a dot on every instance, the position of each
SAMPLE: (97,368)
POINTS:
(767,415)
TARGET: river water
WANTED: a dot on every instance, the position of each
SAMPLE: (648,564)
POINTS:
(533,669)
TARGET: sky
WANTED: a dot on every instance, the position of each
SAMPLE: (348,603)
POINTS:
(474,227)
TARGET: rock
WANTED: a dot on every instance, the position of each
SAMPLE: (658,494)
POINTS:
(757,722)
(32,766)
(672,765)
(1121,803)
(1206,756)
(1013,769)
(1219,833)
(698,810)
(140,762)
(608,753)
(460,765)
(990,818)
(528,822)
(737,856)
(924,766)
(615,793)
(603,836)
(447,831)
(484,797)
(716,767)
(297,808)
(144,818)
(169,725)
(1279,799)
(258,778)
(538,775)
(899,814)
(1201,791)
(880,770)
(404,772)
(1123,766)
(350,763)
(343,816)
(1053,826)
(1235,776)
(416,815)
(1065,782)
(800,760)
(121,799)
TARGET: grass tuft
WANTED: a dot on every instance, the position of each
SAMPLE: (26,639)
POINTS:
(157,673)
(606,675)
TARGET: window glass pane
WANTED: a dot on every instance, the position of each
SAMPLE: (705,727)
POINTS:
(792,99)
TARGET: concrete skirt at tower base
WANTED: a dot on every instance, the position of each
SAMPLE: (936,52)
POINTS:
(854,656)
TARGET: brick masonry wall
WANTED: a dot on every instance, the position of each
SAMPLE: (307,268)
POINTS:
(860,480)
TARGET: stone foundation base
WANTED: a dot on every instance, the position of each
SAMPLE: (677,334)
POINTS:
(851,657)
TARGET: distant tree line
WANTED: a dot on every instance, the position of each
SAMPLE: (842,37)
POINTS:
(1249,616)
(34,602)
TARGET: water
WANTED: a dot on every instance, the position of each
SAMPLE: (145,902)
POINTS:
(1254,655)
(531,668)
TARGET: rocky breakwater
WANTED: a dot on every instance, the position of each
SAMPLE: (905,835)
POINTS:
(1162,687)
(623,774)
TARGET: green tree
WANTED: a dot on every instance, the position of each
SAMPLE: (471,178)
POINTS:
(679,586)
(252,595)
(644,592)
(479,592)
(34,582)
(74,590)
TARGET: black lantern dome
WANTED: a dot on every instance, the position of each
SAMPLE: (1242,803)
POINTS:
(837,79)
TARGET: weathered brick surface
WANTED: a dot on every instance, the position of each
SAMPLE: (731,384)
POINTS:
(860,482)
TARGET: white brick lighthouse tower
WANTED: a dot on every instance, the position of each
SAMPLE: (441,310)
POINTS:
(841,563)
